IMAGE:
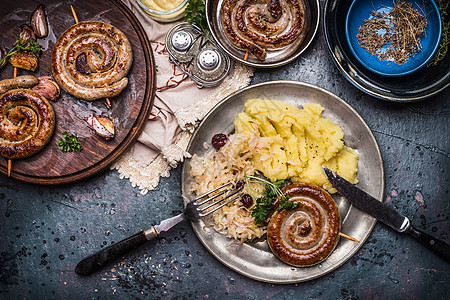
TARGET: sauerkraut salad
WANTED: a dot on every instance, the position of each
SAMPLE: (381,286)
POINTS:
(231,163)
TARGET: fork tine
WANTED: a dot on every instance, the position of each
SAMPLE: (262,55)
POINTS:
(207,193)
(219,200)
(194,209)
(221,205)
(211,198)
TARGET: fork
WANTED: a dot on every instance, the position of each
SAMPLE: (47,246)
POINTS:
(196,209)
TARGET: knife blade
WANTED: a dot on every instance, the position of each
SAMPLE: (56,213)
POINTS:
(169,223)
(98,260)
(384,213)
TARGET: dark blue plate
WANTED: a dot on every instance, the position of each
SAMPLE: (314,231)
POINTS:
(428,81)
(361,10)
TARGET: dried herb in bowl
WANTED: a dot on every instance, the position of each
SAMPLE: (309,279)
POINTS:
(393,35)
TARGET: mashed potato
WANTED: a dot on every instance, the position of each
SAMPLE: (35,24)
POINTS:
(306,141)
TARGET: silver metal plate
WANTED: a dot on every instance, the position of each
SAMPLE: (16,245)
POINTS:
(274,58)
(255,260)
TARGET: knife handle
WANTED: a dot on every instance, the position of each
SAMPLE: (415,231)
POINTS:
(438,247)
(97,261)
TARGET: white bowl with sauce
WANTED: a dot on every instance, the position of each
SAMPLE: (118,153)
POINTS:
(164,10)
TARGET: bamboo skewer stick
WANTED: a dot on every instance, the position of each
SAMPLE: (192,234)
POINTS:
(246,55)
(108,102)
(348,237)
(15,72)
(74,14)
(9,167)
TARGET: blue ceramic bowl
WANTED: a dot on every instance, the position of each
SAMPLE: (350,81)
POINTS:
(361,10)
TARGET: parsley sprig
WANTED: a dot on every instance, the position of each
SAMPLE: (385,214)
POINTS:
(69,143)
(196,14)
(264,204)
(285,203)
(30,45)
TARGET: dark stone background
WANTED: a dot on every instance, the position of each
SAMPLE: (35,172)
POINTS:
(45,231)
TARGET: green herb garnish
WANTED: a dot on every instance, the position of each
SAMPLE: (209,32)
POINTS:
(262,209)
(30,45)
(284,203)
(69,143)
(195,14)
(264,204)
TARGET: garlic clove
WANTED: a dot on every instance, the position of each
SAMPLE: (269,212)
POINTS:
(102,125)
(39,22)
(107,123)
(47,87)
(25,34)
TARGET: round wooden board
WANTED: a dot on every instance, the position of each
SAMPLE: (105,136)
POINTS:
(129,110)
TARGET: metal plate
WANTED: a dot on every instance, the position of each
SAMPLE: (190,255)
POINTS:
(255,260)
(274,58)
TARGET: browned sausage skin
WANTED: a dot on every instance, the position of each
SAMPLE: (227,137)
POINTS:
(258,25)
(91,59)
(233,35)
(24,81)
(27,122)
(306,235)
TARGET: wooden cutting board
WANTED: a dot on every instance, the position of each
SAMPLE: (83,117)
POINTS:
(129,110)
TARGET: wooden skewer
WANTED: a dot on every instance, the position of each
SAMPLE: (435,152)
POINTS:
(74,14)
(108,103)
(15,72)
(348,237)
(9,167)
(246,56)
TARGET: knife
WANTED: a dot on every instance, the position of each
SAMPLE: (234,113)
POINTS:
(385,214)
(96,261)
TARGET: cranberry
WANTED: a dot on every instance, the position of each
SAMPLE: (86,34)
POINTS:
(247,200)
(219,140)
(240,184)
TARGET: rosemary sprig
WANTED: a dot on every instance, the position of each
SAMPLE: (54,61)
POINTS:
(30,45)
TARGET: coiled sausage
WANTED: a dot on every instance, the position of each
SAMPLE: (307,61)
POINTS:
(91,59)
(27,122)
(258,25)
(306,235)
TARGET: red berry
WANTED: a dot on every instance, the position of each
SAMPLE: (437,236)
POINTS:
(240,184)
(219,140)
(247,200)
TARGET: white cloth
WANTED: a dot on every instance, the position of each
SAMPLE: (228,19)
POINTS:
(175,113)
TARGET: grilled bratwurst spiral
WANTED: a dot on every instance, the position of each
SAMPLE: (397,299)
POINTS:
(27,122)
(91,59)
(306,235)
(257,25)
